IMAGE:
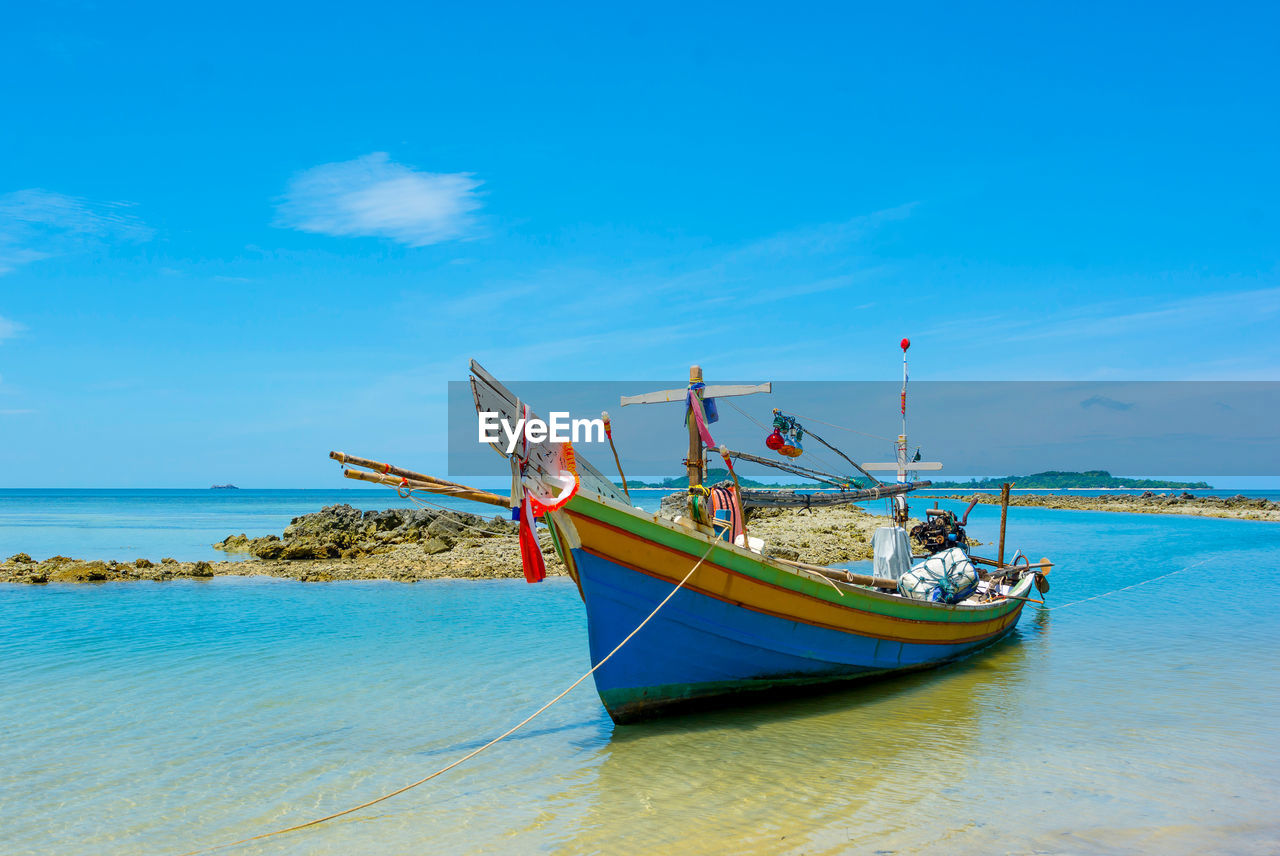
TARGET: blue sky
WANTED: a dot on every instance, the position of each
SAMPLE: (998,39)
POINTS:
(234,237)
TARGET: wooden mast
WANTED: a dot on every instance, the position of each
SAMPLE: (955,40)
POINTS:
(694,461)
(695,465)
(1004,515)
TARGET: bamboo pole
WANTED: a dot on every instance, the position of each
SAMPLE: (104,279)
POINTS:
(472,494)
(795,469)
(759,495)
(608,432)
(842,576)
(426,482)
(388,469)
(851,461)
(1043,563)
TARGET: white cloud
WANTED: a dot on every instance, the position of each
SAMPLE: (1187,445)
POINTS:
(9,329)
(36,224)
(372,196)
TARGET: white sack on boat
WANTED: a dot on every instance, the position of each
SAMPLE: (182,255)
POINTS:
(946,577)
(892,551)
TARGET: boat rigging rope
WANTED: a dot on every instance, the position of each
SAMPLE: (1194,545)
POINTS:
(824,461)
(1126,588)
(767,428)
(746,414)
(841,427)
(504,735)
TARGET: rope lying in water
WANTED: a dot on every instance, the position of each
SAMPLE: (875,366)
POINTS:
(504,735)
(1126,588)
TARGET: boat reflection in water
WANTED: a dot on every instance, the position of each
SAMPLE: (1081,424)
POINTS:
(861,769)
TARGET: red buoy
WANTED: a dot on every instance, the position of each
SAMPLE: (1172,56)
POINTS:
(906,343)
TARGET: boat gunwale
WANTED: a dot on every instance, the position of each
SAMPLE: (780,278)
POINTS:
(806,586)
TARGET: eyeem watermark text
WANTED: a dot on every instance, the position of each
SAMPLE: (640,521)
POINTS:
(558,429)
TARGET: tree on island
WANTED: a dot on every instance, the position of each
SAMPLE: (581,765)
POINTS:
(1057,479)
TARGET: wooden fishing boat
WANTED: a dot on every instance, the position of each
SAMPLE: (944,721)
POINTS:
(681,613)
(743,623)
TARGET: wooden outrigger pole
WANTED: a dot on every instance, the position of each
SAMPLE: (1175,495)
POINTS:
(393,476)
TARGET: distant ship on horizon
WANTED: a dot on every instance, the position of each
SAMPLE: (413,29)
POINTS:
(223,487)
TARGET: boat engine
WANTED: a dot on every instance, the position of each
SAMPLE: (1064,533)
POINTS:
(942,530)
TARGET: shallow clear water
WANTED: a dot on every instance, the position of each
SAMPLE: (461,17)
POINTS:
(162,717)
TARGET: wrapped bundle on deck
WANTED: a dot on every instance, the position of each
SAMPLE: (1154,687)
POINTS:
(946,577)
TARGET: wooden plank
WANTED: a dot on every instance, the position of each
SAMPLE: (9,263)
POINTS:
(728,390)
(659,397)
(490,395)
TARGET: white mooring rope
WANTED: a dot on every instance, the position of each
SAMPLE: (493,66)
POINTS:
(1126,588)
(474,752)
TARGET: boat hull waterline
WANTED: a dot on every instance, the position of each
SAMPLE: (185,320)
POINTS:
(742,624)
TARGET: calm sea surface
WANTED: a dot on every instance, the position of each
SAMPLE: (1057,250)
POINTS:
(163,717)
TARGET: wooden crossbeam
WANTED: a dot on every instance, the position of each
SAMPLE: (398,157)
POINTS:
(724,390)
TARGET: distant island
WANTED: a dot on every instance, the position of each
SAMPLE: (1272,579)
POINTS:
(223,487)
(1048,480)
(1056,479)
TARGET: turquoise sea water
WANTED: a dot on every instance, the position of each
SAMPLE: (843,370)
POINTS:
(163,717)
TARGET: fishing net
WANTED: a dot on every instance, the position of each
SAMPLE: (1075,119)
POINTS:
(946,577)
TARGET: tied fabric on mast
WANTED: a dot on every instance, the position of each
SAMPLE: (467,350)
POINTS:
(701,412)
(535,568)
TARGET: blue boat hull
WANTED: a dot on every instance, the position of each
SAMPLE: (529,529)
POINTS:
(699,649)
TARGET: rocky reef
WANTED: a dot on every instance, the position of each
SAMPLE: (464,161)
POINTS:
(344,532)
(344,543)
(21,568)
(338,542)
